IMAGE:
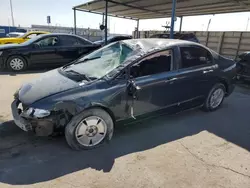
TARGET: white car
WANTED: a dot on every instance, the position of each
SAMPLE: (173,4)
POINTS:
(14,34)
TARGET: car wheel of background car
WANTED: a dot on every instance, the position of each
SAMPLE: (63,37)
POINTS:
(89,129)
(215,97)
(16,63)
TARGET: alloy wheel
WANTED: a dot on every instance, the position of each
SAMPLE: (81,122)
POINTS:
(217,97)
(91,131)
(16,64)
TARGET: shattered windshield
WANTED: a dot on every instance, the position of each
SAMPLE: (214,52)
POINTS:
(100,62)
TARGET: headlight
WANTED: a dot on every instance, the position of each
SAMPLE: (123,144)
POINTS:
(39,113)
(1,52)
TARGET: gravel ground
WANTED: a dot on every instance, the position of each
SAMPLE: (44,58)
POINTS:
(190,149)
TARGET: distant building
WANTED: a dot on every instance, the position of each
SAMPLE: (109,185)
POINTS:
(4,30)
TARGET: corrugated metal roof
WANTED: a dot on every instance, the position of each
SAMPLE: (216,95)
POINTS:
(147,9)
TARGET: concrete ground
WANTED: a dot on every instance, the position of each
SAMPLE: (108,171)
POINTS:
(191,149)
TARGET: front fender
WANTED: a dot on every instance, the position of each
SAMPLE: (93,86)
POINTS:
(76,107)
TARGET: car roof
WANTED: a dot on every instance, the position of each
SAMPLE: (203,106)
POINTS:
(15,33)
(156,43)
(31,32)
(64,34)
(129,36)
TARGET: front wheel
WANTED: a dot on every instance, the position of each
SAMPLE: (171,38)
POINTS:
(16,63)
(89,129)
(215,98)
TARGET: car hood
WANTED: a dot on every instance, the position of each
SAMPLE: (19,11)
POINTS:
(8,38)
(47,84)
(9,46)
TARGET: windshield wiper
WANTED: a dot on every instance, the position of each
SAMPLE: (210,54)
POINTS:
(87,59)
(81,76)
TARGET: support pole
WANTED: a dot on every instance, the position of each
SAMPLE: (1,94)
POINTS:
(74,20)
(180,24)
(138,30)
(103,19)
(172,19)
(238,47)
(12,15)
(106,21)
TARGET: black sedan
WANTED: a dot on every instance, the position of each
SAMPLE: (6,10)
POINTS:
(243,66)
(126,80)
(44,50)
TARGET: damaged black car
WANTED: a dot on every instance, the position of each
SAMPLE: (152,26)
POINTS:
(243,67)
(119,83)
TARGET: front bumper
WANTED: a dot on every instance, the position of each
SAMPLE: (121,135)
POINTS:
(243,76)
(22,123)
(41,127)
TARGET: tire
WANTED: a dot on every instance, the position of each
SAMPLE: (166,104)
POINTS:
(16,63)
(84,127)
(208,104)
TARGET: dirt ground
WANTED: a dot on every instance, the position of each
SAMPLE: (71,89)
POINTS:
(191,149)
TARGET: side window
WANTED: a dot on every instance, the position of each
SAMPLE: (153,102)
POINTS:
(46,42)
(72,41)
(153,64)
(68,41)
(31,36)
(194,56)
(83,42)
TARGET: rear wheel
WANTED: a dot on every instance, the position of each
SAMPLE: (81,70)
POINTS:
(215,97)
(89,129)
(16,63)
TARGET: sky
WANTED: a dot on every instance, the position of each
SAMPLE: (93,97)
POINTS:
(27,12)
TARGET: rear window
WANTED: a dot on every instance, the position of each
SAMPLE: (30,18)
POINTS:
(73,41)
(195,56)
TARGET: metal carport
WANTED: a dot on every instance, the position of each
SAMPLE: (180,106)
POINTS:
(150,9)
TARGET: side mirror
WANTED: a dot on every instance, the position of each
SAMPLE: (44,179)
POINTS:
(132,89)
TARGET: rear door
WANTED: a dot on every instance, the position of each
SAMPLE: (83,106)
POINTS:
(197,73)
(73,47)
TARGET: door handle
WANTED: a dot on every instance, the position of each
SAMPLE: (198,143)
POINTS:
(170,80)
(205,72)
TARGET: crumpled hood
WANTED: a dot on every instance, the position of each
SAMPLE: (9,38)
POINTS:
(47,84)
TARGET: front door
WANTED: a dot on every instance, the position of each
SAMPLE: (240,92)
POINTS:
(155,78)
(44,51)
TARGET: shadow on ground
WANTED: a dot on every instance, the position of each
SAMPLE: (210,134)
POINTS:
(37,160)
